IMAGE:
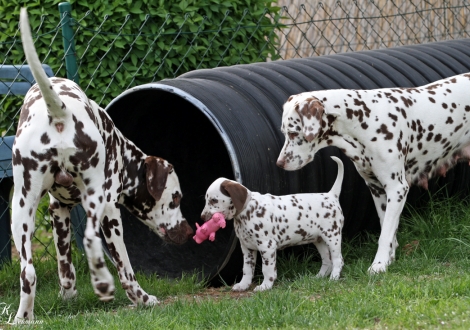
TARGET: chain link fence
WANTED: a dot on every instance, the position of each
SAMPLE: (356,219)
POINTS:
(343,26)
(106,57)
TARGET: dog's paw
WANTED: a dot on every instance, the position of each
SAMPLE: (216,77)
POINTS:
(334,276)
(377,268)
(263,287)
(19,321)
(67,294)
(152,301)
(104,290)
(324,271)
(240,287)
(321,275)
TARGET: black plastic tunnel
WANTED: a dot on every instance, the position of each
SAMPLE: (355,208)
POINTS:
(225,122)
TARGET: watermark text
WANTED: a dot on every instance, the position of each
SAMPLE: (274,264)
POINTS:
(7,317)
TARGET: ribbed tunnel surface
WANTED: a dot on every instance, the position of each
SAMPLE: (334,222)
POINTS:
(226,122)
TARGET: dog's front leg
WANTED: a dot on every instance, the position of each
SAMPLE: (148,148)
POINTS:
(269,269)
(60,218)
(113,233)
(249,262)
(378,194)
(380,200)
(396,198)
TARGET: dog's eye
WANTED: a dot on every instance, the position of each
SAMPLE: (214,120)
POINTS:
(292,135)
(213,201)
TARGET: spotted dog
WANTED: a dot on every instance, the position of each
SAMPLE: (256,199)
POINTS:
(267,223)
(395,137)
(67,146)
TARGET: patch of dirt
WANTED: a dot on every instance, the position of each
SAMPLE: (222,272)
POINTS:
(211,294)
(411,247)
(315,297)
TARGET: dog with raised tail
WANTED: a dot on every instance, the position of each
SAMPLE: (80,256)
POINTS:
(267,223)
(67,146)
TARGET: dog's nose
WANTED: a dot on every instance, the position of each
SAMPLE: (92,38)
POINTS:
(180,233)
(281,163)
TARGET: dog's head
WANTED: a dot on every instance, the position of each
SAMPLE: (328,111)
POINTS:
(157,201)
(225,196)
(302,123)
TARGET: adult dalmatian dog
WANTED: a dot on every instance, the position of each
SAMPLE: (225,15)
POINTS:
(67,146)
(395,137)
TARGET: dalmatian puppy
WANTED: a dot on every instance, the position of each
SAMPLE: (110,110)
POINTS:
(395,137)
(67,146)
(267,223)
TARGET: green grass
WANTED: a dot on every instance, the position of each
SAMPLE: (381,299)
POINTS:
(428,287)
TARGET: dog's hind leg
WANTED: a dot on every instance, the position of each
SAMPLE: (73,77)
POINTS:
(93,203)
(326,263)
(60,218)
(336,257)
(25,201)
(113,233)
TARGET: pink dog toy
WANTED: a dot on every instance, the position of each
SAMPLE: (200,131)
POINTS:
(208,229)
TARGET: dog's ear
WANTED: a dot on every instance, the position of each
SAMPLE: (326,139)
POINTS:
(310,112)
(156,175)
(236,192)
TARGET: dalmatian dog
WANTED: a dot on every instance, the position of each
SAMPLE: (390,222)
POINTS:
(267,223)
(395,137)
(67,146)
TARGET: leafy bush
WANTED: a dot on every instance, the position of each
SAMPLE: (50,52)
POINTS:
(129,43)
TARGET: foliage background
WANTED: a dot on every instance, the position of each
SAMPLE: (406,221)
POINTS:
(123,43)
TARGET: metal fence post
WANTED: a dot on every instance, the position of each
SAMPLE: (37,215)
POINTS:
(5,241)
(65,10)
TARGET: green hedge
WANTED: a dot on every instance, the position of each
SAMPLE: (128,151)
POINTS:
(121,44)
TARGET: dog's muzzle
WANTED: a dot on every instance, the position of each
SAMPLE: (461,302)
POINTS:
(179,234)
(206,217)
(281,162)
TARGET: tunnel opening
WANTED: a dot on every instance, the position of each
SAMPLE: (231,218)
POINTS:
(166,125)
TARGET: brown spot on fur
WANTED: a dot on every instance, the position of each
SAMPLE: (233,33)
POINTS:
(384,130)
(45,139)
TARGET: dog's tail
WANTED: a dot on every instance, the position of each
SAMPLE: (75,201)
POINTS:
(55,106)
(336,189)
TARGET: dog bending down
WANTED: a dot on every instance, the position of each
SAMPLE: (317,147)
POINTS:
(67,146)
(267,223)
(395,137)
